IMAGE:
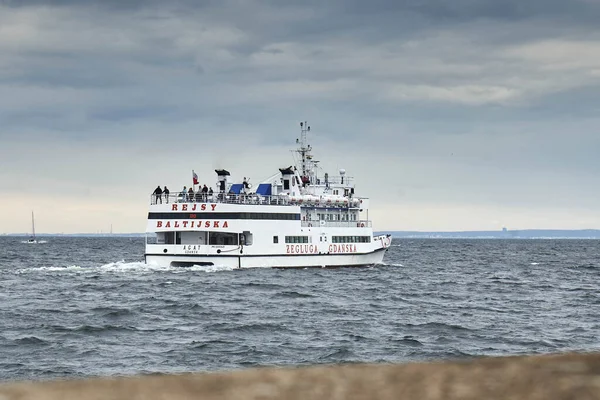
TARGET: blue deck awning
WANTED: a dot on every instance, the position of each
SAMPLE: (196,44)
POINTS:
(236,188)
(264,189)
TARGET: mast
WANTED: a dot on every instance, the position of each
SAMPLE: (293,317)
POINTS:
(32,225)
(304,148)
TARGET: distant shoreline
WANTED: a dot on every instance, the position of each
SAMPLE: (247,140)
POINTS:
(505,234)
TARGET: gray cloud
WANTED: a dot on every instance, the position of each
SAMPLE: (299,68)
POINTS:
(482,104)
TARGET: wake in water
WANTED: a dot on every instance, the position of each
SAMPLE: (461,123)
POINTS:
(132,268)
(36,242)
(387,264)
(126,267)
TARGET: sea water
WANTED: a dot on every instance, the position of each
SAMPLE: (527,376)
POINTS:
(75,307)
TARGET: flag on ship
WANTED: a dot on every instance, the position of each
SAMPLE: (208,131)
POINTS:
(194,177)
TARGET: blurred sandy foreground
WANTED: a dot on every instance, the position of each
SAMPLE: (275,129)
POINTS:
(548,377)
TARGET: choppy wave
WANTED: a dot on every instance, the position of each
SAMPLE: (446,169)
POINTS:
(294,295)
(439,327)
(112,312)
(409,341)
(29,340)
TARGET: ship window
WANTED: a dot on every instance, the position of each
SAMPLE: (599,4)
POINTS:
(351,239)
(223,238)
(169,237)
(296,239)
(286,184)
(245,238)
(275,239)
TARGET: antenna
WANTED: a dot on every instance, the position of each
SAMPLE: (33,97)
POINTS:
(305,148)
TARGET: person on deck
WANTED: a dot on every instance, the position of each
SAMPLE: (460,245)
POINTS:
(204,192)
(184,194)
(190,194)
(157,195)
(166,193)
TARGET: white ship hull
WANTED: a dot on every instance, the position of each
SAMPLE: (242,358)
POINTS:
(271,261)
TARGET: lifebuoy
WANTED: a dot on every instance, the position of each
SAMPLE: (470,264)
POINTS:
(362,225)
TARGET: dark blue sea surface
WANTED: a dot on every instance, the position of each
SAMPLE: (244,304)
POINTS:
(76,307)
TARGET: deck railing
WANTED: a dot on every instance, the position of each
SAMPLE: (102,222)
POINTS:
(337,180)
(229,199)
(218,198)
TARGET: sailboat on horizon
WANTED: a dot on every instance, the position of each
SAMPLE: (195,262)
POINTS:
(32,238)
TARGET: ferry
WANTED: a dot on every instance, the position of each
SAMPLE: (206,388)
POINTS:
(299,218)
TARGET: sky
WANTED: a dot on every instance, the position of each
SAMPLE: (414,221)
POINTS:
(461,115)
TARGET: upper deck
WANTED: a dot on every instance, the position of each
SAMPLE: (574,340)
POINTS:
(255,199)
